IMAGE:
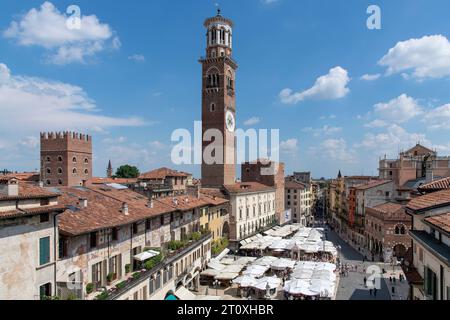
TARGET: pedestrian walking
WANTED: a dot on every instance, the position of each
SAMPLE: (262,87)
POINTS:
(365,282)
(375,292)
(390,279)
(394,280)
(370,291)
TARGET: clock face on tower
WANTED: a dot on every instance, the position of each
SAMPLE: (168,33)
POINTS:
(230,121)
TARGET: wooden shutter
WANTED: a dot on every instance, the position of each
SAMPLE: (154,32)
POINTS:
(44,250)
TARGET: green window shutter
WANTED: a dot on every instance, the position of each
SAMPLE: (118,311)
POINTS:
(44,250)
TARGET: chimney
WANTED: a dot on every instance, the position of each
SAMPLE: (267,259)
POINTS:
(41,184)
(9,187)
(83,202)
(175,201)
(125,208)
(150,203)
(193,191)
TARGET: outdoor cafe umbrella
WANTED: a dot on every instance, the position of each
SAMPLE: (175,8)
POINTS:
(322,287)
(245,281)
(282,264)
(255,271)
(271,282)
(296,286)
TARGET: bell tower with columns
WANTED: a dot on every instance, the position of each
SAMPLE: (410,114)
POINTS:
(219,102)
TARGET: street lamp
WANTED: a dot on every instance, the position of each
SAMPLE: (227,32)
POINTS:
(216,285)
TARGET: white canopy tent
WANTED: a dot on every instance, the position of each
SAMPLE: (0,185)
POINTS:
(271,282)
(265,261)
(143,256)
(282,264)
(256,271)
(245,281)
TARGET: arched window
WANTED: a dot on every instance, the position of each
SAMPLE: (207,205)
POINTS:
(60,159)
(86,160)
(48,159)
(60,182)
(48,170)
(86,171)
(60,171)
(74,159)
(212,108)
(74,170)
(48,182)
(397,230)
(402,230)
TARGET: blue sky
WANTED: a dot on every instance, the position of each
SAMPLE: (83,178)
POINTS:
(132,76)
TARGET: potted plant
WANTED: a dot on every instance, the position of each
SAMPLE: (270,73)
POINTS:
(89,288)
(110,277)
(127,268)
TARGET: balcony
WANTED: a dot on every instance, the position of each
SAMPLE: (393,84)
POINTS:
(139,277)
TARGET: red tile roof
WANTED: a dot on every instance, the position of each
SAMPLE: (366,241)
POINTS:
(162,173)
(291,184)
(247,187)
(31,211)
(436,185)
(438,198)
(104,208)
(372,184)
(388,207)
(30,191)
(98,180)
(441,221)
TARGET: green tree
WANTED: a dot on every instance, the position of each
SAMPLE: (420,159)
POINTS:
(127,172)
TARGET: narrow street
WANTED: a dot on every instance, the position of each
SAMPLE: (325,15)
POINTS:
(352,287)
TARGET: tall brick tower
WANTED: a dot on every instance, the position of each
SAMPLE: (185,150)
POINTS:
(66,158)
(218,101)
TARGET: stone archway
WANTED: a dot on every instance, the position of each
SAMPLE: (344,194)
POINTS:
(399,250)
(226,230)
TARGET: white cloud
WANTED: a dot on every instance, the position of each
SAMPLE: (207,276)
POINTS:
(252,121)
(398,110)
(377,123)
(439,118)
(120,139)
(427,57)
(157,145)
(47,27)
(328,87)
(289,146)
(370,77)
(137,58)
(29,104)
(391,141)
(325,130)
(334,149)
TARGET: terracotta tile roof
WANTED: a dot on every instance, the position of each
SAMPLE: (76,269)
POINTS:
(440,184)
(441,221)
(99,180)
(26,176)
(31,211)
(104,208)
(388,207)
(30,191)
(438,198)
(213,199)
(372,184)
(247,187)
(162,173)
(291,184)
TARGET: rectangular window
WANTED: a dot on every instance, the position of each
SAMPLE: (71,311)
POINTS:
(93,239)
(63,247)
(44,217)
(44,250)
(136,295)
(115,234)
(135,228)
(97,274)
(148,224)
(430,283)
(45,291)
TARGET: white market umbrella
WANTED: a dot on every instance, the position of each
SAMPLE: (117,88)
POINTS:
(255,271)
(296,286)
(267,282)
(265,261)
(245,281)
(282,264)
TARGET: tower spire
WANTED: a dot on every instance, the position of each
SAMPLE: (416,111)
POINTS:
(109,170)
